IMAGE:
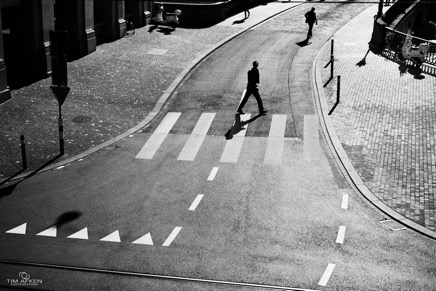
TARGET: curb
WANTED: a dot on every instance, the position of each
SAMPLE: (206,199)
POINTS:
(339,152)
(157,107)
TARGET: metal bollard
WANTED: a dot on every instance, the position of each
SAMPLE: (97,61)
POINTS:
(332,59)
(23,152)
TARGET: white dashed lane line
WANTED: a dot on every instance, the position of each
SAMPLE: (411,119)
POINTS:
(196,202)
(326,276)
(341,235)
(172,236)
(213,174)
(344,201)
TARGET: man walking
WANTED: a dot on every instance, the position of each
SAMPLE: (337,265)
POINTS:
(253,81)
(310,19)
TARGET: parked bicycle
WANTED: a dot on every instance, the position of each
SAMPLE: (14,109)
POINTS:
(130,28)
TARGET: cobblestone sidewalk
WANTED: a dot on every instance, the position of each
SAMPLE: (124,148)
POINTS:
(112,90)
(385,121)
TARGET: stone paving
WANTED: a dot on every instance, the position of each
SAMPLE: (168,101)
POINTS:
(112,90)
(385,122)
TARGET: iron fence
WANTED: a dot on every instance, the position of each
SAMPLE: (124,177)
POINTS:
(394,41)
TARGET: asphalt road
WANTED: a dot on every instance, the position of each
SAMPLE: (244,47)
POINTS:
(254,209)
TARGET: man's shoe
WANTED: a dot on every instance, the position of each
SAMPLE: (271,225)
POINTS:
(240,112)
(264,112)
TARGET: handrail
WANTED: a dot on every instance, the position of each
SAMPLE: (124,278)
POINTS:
(395,39)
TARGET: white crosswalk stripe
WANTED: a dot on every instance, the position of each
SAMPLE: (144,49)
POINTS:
(235,137)
(156,139)
(233,146)
(192,146)
(275,143)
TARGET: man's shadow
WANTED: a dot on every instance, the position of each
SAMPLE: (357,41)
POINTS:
(239,125)
(304,42)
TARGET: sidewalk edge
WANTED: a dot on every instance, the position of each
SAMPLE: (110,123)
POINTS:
(344,162)
(157,107)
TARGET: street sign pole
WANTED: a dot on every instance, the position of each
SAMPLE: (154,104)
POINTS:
(60,89)
(60,92)
(61,131)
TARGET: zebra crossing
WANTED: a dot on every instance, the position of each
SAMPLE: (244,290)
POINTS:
(234,138)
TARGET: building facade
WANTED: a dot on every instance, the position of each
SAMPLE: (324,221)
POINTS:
(25,25)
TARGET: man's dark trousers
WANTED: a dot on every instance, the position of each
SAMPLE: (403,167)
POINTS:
(255,91)
(309,33)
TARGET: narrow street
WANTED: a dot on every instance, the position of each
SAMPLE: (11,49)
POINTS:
(204,199)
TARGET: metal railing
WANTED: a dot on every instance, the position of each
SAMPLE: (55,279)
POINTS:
(394,41)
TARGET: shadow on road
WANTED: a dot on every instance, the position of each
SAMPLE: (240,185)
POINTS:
(304,42)
(238,21)
(238,125)
(67,217)
(9,189)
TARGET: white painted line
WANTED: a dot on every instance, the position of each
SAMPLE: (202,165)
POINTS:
(344,201)
(195,140)
(203,123)
(278,125)
(275,143)
(191,148)
(81,234)
(115,237)
(242,96)
(168,122)
(196,202)
(21,229)
(159,135)
(212,174)
(52,231)
(144,240)
(172,236)
(341,235)
(326,276)
(233,146)
(151,146)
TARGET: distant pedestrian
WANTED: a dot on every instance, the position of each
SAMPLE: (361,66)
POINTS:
(252,88)
(247,8)
(310,20)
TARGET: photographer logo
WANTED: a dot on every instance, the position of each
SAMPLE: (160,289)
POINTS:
(24,280)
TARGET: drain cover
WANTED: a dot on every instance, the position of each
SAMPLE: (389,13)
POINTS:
(392,225)
(82,119)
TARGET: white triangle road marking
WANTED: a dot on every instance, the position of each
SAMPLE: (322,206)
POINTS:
(21,229)
(81,234)
(144,240)
(52,231)
(115,237)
